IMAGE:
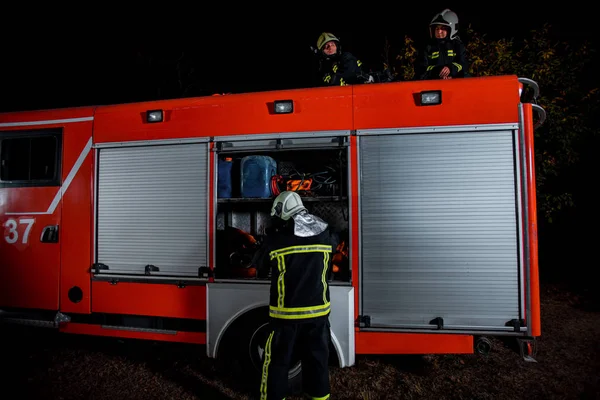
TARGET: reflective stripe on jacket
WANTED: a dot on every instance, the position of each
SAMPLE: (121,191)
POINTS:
(300,268)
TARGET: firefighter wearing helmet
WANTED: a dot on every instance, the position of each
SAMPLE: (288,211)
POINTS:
(444,57)
(337,67)
(298,252)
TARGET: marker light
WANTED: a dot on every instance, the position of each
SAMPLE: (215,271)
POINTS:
(284,106)
(154,116)
(431,97)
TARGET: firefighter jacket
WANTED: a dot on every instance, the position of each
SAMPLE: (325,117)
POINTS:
(439,54)
(300,268)
(343,70)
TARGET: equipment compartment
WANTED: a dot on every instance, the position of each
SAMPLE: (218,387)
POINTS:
(319,175)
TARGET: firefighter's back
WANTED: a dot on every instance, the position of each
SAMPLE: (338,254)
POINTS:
(300,266)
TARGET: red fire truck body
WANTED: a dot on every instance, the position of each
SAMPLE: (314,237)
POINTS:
(111,217)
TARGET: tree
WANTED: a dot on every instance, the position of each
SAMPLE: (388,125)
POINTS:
(567,92)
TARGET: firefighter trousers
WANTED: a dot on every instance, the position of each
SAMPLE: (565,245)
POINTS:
(306,341)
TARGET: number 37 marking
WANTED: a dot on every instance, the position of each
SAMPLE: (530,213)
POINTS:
(12,236)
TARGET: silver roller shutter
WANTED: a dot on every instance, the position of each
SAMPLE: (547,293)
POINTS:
(152,209)
(439,230)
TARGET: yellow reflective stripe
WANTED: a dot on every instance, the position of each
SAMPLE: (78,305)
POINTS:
(435,54)
(323,277)
(299,312)
(312,248)
(326,397)
(458,66)
(430,67)
(335,68)
(281,315)
(265,369)
(342,82)
(451,53)
(327,78)
(280,281)
(358,62)
(301,309)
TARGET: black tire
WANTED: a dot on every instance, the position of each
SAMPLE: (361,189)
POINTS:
(483,345)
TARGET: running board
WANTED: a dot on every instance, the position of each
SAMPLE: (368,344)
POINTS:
(136,329)
(16,319)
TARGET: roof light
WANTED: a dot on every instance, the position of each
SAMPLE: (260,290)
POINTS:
(431,97)
(284,106)
(154,116)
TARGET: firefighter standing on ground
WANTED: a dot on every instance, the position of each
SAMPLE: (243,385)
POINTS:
(445,56)
(298,253)
(337,67)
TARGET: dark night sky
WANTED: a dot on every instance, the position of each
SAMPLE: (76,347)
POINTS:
(97,60)
(90,56)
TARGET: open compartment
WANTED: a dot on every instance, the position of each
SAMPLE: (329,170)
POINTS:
(249,177)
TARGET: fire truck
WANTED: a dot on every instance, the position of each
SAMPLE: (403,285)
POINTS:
(140,220)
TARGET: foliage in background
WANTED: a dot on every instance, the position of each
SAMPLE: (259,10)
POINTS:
(571,102)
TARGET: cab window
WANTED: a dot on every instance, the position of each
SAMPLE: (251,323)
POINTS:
(29,159)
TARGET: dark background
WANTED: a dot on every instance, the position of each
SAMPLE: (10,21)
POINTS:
(94,54)
(107,54)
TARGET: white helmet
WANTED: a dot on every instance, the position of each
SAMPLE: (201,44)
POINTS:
(286,205)
(447,18)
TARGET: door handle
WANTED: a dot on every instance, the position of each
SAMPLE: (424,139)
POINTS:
(50,234)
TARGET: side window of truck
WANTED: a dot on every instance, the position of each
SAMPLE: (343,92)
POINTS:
(30,158)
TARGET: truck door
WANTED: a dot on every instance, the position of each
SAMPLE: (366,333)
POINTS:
(441,230)
(30,215)
(152,216)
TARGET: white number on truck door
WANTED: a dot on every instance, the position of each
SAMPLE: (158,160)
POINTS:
(11,235)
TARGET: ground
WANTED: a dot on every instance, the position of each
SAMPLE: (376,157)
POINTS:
(41,364)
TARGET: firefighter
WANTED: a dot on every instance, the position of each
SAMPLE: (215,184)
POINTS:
(337,67)
(298,252)
(444,57)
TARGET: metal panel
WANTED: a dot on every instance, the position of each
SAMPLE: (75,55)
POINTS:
(439,230)
(152,209)
(229,301)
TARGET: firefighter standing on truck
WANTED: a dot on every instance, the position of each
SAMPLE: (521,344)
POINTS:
(337,67)
(444,57)
(298,253)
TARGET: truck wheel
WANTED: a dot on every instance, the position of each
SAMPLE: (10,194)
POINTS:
(483,345)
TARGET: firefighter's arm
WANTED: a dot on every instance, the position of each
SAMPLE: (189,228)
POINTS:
(459,65)
(422,68)
(334,241)
(351,70)
(348,72)
(260,261)
(328,79)
(335,78)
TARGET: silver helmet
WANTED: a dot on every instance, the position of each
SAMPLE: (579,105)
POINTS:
(446,18)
